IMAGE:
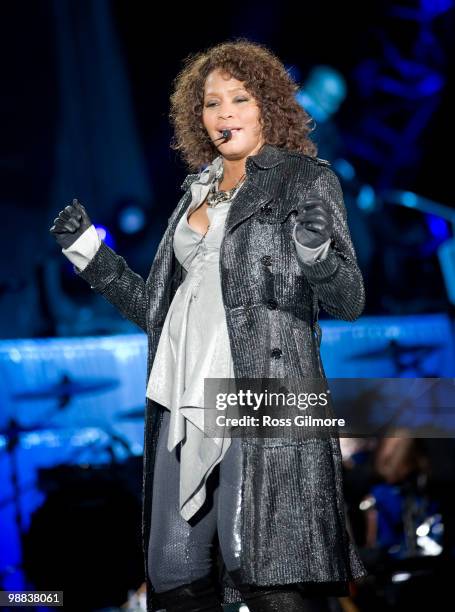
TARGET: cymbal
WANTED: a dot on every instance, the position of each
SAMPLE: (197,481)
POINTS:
(14,428)
(68,388)
(135,414)
(394,348)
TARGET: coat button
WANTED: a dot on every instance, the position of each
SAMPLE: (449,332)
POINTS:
(266,209)
(266,260)
(272,304)
(276,353)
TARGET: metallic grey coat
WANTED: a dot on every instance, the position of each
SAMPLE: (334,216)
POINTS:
(292,524)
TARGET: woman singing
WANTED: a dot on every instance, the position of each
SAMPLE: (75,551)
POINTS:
(258,242)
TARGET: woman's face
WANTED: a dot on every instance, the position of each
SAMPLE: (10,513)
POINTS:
(227,105)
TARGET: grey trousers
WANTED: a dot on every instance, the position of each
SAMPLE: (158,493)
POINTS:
(180,552)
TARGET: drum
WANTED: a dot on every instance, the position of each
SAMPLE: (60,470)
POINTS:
(85,539)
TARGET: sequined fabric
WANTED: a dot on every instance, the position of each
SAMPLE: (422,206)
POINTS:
(292,526)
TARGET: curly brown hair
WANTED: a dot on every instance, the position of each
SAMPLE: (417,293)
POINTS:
(284,122)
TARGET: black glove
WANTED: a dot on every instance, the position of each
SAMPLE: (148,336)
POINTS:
(71,223)
(314,223)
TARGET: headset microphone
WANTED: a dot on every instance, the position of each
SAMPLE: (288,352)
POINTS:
(227,135)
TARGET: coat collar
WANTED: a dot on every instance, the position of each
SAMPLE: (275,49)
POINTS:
(269,156)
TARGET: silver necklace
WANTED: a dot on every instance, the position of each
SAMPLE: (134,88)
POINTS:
(216,197)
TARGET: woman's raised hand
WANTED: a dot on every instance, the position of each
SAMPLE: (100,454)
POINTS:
(71,223)
(314,223)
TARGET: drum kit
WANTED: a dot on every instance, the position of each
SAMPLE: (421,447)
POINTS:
(404,357)
(87,531)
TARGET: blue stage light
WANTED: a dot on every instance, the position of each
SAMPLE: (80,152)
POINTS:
(105,235)
(438,227)
(131,219)
(366,198)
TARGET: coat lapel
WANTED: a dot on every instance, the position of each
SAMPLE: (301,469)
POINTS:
(248,200)
(188,180)
(252,196)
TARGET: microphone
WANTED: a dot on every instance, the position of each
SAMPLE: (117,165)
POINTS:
(227,135)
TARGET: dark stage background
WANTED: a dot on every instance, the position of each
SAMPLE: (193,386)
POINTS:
(85,102)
